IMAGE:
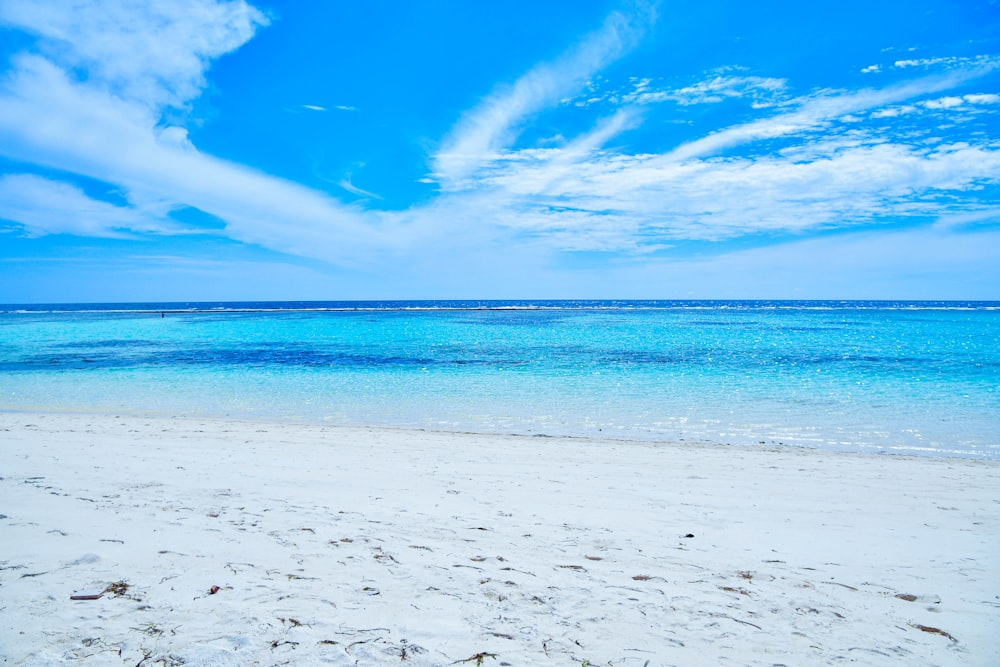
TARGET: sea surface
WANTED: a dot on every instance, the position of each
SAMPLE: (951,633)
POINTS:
(891,377)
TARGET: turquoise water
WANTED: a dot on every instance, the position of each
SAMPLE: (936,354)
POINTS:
(917,378)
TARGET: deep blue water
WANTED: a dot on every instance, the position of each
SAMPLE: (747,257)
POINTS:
(907,377)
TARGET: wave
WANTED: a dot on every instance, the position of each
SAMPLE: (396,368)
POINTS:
(250,307)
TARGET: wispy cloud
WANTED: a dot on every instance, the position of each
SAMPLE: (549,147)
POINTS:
(818,110)
(718,86)
(949,62)
(797,162)
(336,107)
(346,184)
(44,206)
(153,53)
(141,59)
(813,164)
(492,125)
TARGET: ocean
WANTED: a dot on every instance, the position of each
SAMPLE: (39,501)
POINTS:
(918,378)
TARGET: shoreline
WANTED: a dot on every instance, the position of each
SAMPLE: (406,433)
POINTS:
(354,545)
(610,437)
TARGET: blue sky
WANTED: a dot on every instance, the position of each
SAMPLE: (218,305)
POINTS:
(209,150)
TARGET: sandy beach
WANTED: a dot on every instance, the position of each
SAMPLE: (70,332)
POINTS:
(242,543)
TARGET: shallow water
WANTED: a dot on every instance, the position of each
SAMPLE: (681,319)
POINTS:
(918,378)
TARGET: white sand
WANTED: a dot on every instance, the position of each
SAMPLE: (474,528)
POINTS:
(353,546)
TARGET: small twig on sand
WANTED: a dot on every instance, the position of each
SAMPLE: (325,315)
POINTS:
(479,657)
(744,622)
(837,583)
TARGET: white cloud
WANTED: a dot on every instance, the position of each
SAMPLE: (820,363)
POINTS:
(154,52)
(949,62)
(815,112)
(939,104)
(617,202)
(346,184)
(174,136)
(827,171)
(927,62)
(982,99)
(338,107)
(109,126)
(718,87)
(894,112)
(832,172)
(944,102)
(43,206)
(493,124)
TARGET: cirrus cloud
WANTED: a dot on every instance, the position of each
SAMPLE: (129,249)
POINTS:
(94,105)
(102,95)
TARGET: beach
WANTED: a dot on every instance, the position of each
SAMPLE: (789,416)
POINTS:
(239,542)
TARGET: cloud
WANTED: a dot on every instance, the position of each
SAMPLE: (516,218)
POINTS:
(944,102)
(822,160)
(719,86)
(816,164)
(947,103)
(108,125)
(817,111)
(494,123)
(43,206)
(982,99)
(948,63)
(634,203)
(60,124)
(346,184)
(712,90)
(955,101)
(154,53)
(926,62)
(894,112)
(338,107)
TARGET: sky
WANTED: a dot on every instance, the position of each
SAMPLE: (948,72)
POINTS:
(205,150)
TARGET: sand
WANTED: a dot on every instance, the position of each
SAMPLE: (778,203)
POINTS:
(241,543)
